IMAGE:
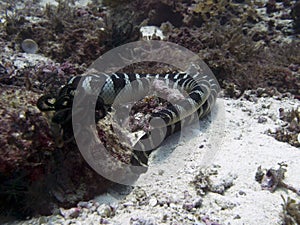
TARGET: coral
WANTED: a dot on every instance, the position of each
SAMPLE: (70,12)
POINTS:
(63,32)
(205,181)
(295,13)
(272,179)
(229,37)
(289,132)
(222,11)
(37,177)
(207,221)
(291,211)
(224,33)
(37,76)
(114,138)
(141,112)
(26,143)
(236,58)
(271,6)
(115,3)
(23,129)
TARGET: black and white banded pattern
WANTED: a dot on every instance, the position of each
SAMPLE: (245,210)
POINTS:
(201,92)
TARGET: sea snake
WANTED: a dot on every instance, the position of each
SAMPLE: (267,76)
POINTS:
(201,89)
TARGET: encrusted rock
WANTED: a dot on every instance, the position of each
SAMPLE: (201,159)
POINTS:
(104,210)
(70,213)
(30,46)
(207,180)
(153,201)
(142,221)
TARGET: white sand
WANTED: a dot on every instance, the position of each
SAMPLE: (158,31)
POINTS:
(243,147)
(236,144)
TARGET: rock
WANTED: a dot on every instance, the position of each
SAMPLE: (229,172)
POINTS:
(225,203)
(55,219)
(237,217)
(153,202)
(173,206)
(197,202)
(295,12)
(142,221)
(93,208)
(140,193)
(242,192)
(86,205)
(104,210)
(70,213)
(161,172)
(29,46)
(104,221)
(59,195)
(262,119)
(126,204)
(151,32)
(42,220)
(188,206)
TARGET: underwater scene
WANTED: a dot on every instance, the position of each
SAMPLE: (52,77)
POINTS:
(148,112)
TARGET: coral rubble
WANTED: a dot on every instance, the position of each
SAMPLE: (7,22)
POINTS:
(288,132)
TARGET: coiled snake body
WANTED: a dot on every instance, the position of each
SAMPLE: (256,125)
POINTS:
(201,92)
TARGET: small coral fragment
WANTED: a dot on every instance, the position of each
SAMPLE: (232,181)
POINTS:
(291,211)
(290,132)
(208,180)
(272,179)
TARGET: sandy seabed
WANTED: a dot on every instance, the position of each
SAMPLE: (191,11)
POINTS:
(231,142)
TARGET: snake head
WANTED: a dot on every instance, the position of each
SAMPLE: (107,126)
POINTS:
(61,105)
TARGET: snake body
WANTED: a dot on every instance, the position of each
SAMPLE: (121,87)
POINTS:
(201,92)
